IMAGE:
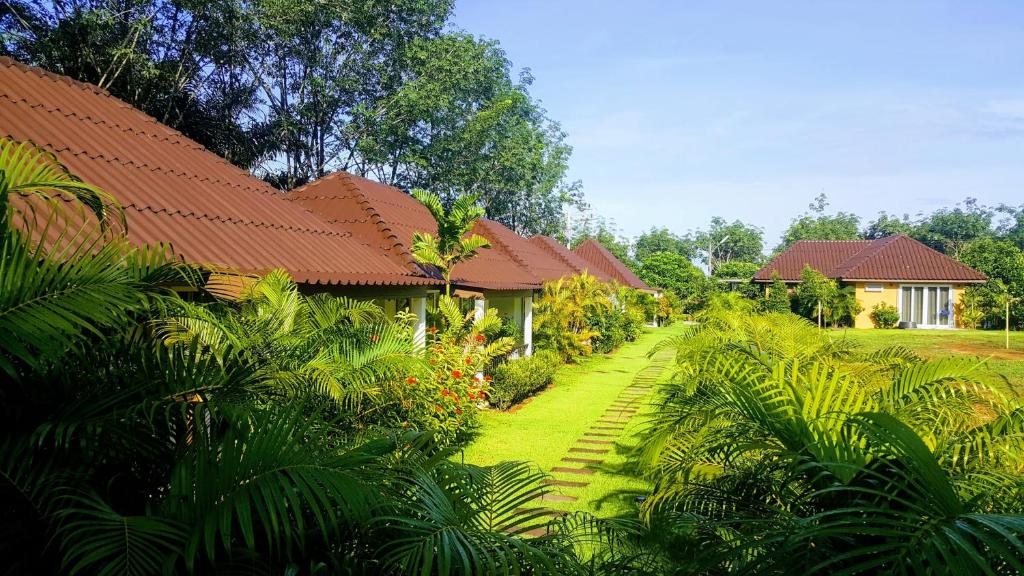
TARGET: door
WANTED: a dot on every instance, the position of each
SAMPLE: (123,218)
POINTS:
(927,306)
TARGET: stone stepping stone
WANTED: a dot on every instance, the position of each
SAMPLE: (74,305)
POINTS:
(617,428)
(567,470)
(612,421)
(535,533)
(588,450)
(557,498)
(589,441)
(569,483)
(600,434)
(617,410)
(541,511)
(579,460)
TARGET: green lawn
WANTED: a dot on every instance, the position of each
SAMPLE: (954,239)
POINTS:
(1003,368)
(542,430)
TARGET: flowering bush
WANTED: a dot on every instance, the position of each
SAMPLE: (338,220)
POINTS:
(445,397)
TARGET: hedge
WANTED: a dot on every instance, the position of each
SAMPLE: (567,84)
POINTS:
(514,380)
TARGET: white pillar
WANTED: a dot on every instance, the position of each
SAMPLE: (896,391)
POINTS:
(517,317)
(528,324)
(419,334)
(479,307)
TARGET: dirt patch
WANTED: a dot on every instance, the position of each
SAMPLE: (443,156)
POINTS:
(985,351)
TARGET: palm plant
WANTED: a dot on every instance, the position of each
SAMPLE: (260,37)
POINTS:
(781,449)
(563,313)
(452,245)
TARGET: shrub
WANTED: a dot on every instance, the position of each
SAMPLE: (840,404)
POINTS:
(514,380)
(884,315)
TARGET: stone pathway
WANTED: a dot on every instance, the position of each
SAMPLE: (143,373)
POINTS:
(584,458)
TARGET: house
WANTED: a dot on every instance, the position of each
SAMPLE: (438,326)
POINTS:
(923,284)
(569,258)
(503,277)
(604,262)
(209,212)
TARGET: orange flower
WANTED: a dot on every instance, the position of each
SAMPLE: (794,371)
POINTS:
(488,378)
(458,410)
(476,378)
(481,338)
(411,380)
(468,360)
(445,392)
(456,374)
(432,329)
(374,338)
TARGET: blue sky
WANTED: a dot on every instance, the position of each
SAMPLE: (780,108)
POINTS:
(680,111)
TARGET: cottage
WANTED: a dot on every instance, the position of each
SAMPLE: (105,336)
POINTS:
(923,284)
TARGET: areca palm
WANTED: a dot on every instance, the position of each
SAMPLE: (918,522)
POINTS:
(784,448)
(453,243)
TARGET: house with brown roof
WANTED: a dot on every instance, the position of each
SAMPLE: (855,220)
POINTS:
(604,262)
(926,286)
(209,212)
(503,277)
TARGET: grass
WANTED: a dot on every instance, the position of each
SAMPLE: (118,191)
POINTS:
(543,429)
(1003,369)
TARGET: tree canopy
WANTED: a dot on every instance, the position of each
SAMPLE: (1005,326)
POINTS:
(294,90)
(817,224)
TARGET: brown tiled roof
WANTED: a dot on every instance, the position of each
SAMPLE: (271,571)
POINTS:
(175,191)
(896,258)
(568,257)
(387,217)
(540,263)
(601,259)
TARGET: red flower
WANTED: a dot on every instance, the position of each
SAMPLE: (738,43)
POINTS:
(438,408)
(456,374)
(471,395)
(458,410)
(445,392)
(432,329)
(468,360)
(488,378)
(476,378)
(411,380)
(374,338)
(481,338)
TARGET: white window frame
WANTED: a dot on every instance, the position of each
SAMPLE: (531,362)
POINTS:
(952,305)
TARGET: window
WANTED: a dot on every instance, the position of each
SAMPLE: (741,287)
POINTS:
(872,287)
(929,306)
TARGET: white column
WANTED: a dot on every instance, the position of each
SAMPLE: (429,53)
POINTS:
(528,324)
(479,307)
(419,334)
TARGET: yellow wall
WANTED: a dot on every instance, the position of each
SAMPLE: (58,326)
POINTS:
(890,295)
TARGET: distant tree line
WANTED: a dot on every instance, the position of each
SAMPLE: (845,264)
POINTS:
(293,90)
(990,239)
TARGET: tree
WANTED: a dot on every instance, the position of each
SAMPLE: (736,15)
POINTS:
(724,242)
(292,90)
(451,246)
(662,240)
(1012,228)
(816,224)
(676,273)
(951,230)
(815,294)
(1002,261)
(886,225)
(777,298)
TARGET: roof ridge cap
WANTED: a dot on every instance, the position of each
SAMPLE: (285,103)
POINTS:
(378,221)
(515,256)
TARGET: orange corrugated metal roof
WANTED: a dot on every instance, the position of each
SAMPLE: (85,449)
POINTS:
(898,258)
(177,192)
(387,217)
(601,259)
(568,257)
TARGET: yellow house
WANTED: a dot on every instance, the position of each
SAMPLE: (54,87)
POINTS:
(924,285)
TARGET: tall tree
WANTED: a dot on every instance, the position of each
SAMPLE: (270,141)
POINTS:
(886,225)
(662,240)
(951,230)
(725,242)
(817,224)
